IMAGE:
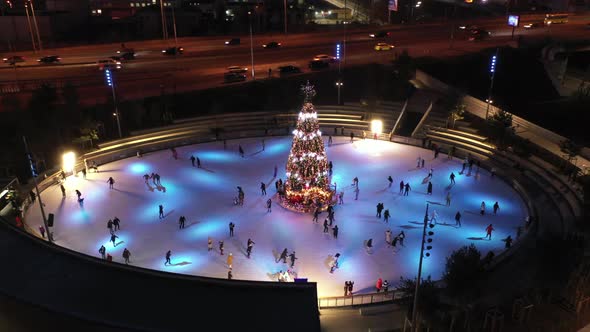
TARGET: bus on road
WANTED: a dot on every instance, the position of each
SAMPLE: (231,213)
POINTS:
(555,18)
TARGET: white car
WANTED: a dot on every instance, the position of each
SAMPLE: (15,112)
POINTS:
(325,58)
(237,69)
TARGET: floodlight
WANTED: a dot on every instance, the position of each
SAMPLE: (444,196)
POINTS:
(376,126)
(68,161)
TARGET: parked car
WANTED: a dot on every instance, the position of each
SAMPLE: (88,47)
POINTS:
(173,50)
(325,58)
(383,47)
(233,77)
(380,34)
(318,65)
(49,59)
(237,69)
(12,60)
(108,64)
(233,41)
(289,69)
(272,44)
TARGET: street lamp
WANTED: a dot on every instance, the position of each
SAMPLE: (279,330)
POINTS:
(30,29)
(251,46)
(339,84)
(493,74)
(422,255)
(111,82)
(36,26)
(285,10)
(34,174)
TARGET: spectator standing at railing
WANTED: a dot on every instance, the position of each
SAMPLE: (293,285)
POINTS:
(346,287)
(385,285)
(379,285)
(350,287)
(102,250)
(33,196)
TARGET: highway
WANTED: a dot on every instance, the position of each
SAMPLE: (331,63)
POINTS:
(206,58)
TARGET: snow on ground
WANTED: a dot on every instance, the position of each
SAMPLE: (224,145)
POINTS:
(205,196)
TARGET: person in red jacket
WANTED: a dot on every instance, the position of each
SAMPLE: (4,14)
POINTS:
(489,230)
(379,285)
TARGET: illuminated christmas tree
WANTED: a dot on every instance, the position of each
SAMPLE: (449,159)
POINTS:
(307,183)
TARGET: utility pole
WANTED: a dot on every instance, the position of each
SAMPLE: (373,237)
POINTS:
(34,174)
(30,28)
(36,26)
(415,306)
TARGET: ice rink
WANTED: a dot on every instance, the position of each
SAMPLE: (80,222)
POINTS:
(205,196)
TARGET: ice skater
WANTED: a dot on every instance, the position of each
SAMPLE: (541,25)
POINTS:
(316,214)
(174,153)
(429,189)
(369,246)
(401,236)
(330,140)
(326,225)
(482,208)
(390,179)
(341,198)
(388,237)
(168,258)
(193,160)
(102,250)
(351,137)
(63,190)
(386,216)
(380,208)
(249,247)
(335,263)
(452,178)
(407,189)
(489,231)
(335,231)
(263,188)
(496,207)
(221,248)
(263,145)
(292,258)
(275,172)
(268,205)
(181,221)
(111,182)
(422,163)
(430,173)
(433,216)
(146,178)
(230,260)
(198,162)
(283,256)
(458,219)
(113,239)
(356,193)
(379,285)
(161,211)
(79,194)
(116,224)
(418,161)
(126,255)
(401,187)
(448,199)
(241,151)
(209,244)
(110,226)
(355,181)
(231,228)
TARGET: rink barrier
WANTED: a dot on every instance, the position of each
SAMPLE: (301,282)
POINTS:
(361,299)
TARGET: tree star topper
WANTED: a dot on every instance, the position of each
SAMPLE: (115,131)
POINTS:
(308,92)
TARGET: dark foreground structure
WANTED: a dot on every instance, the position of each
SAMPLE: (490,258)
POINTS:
(71,284)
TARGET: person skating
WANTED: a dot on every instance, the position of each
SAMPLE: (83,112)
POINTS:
(401,236)
(275,172)
(429,189)
(458,219)
(161,211)
(379,285)
(433,216)
(146,178)
(369,246)
(341,198)
(401,187)
(111,182)
(113,239)
(422,163)
(230,276)
(326,225)
(496,207)
(198,162)
(386,216)
(231,228)
(430,173)
(221,247)
(230,260)
(489,231)
(335,231)
(390,179)
(283,256)
(168,258)
(356,193)
(351,137)
(334,264)
(482,208)
(380,208)
(330,140)
(209,244)
(174,153)
(448,199)
(316,214)
(84,173)
(268,205)
(63,190)
(110,226)
(116,224)
(249,247)
(193,160)
(355,181)
(181,221)
(292,258)
(102,250)
(388,237)
(407,189)
(126,255)
(418,160)
(263,188)
(241,151)
(79,194)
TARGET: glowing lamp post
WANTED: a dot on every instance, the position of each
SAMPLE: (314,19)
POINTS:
(493,74)
(68,162)
(34,174)
(111,82)
(339,84)
(376,128)
(423,248)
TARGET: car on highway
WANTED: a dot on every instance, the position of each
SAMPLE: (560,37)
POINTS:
(173,50)
(108,64)
(124,56)
(325,58)
(237,69)
(383,47)
(49,59)
(289,69)
(468,27)
(12,60)
(125,50)
(233,41)
(380,34)
(233,77)
(272,44)
(532,25)
(318,65)
(478,34)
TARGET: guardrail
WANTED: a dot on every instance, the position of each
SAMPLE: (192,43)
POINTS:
(360,299)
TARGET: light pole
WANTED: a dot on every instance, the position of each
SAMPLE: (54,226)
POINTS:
(285,9)
(30,28)
(174,27)
(111,82)
(164,28)
(344,37)
(34,174)
(339,85)
(251,46)
(36,26)
(493,74)
(430,233)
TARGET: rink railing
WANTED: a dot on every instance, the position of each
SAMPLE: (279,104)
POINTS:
(360,299)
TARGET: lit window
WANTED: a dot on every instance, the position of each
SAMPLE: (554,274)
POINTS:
(93,11)
(131,4)
(143,4)
(99,11)
(137,4)
(154,1)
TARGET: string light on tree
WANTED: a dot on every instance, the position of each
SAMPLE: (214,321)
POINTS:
(307,183)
